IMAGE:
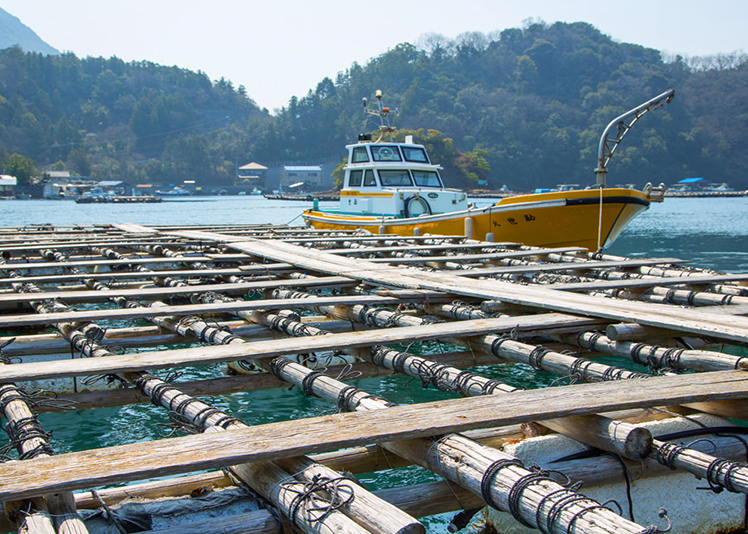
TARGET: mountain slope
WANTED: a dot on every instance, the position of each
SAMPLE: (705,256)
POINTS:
(14,32)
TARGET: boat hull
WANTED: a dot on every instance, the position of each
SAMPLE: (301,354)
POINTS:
(558,219)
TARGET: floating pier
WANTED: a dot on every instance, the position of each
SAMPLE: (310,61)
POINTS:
(567,392)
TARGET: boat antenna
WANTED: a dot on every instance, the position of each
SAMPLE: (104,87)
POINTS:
(384,116)
(608,146)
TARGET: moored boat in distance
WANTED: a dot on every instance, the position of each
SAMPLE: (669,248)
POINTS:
(175,192)
(393,187)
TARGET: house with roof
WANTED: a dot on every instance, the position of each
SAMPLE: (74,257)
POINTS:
(307,177)
(251,175)
(117,187)
(8,185)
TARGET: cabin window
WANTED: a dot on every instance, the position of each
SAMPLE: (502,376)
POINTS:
(427,179)
(369,180)
(354,178)
(385,153)
(415,154)
(359,155)
(395,177)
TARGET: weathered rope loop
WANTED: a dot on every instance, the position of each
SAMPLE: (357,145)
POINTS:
(567,500)
(27,428)
(535,359)
(307,383)
(671,358)
(318,498)
(496,344)
(667,454)
(636,350)
(489,475)
(515,493)
(277,365)
(347,373)
(728,468)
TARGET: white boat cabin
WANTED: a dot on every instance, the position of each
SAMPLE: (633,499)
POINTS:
(395,180)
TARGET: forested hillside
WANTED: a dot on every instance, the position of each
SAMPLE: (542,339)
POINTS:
(524,108)
(108,119)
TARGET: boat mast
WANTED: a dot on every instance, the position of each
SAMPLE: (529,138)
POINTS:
(384,116)
(608,146)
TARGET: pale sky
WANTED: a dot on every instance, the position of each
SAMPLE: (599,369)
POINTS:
(281,48)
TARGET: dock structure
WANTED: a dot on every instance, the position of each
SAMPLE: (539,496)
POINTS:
(539,368)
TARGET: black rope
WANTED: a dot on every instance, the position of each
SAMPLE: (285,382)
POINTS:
(578,370)
(320,497)
(667,454)
(27,428)
(535,359)
(728,470)
(398,362)
(555,511)
(490,387)
(541,503)
(496,344)
(202,416)
(8,394)
(307,383)
(277,365)
(671,358)
(35,399)
(515,493)
(489,475)
(461,381)
(636,353)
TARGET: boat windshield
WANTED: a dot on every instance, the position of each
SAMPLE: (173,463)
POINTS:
(354,178)
(385,153)
(415,154)
(357,178)
(359,155)
(395,177)
(427,179)
(369,180)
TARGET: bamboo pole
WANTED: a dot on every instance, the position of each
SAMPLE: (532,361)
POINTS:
(297,500)
(487,472)
(32,442)
(355,399)
(657,357)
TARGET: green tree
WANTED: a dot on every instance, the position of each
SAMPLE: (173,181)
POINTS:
(20,167)
(78,161)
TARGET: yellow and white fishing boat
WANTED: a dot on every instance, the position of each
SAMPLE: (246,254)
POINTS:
(394,188)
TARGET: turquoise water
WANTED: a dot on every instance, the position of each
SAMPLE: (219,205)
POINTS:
(711,232)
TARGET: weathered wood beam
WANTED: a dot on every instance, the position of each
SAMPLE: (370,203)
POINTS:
(279,440)
(278,347)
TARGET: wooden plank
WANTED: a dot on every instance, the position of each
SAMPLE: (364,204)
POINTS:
(280,347)
(78,244)
(733,328)
(571,266)
(102,262)
(650,282)
(488,255)
(123,463)
(92,295)
(130,275)
(8,321)
(491,256)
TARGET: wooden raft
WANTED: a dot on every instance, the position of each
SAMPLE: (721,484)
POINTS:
(283,306)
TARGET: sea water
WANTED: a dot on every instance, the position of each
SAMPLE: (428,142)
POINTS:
(711,232)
